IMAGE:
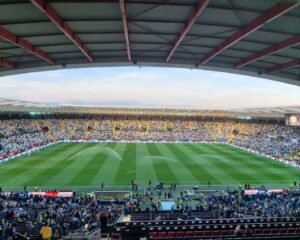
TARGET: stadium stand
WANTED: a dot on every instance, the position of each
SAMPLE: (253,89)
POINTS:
(230,215)
(255,38)
(274,140)
(257,214)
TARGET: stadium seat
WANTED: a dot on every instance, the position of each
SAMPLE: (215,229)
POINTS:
(116,236)
(198,234)
(171,235)
(216,233)
(274,231)
(161,235)
(258,231)
(189,234)
(180,234)
(207,233)
(153,235)
(283,231)
(291,230)
(224,232)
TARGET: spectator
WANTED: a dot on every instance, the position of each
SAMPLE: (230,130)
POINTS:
(46,232)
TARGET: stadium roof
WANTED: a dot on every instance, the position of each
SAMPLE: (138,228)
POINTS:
(23,107)
(250,37)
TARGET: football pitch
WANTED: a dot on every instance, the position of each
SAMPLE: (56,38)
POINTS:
(117,164)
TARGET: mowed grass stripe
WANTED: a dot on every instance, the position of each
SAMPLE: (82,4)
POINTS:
(74,165)
(22,165)
(240,174)
(144,167)
(242,164)
(23,176)
(109,170)
(245,173)
(54,165)
(91,166)
(162,170)
(197,170)
(29,171)
(249,161)
(177,166)
(213,162)
(22,160)
(127,167)
(269,164)
(81,164)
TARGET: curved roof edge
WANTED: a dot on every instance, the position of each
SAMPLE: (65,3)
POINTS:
(150,64)
(8,106)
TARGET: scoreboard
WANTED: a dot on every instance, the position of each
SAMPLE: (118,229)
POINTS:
(292,119)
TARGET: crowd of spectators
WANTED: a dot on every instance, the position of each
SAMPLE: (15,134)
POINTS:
(236,205)
(270,139)
(56,216)
(52,217)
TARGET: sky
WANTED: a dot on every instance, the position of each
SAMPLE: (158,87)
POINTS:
(148,87)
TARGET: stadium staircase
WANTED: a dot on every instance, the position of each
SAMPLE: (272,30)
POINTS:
(117,131)
(121,125)
(165,126)
(73,130)
(114,125)
(84,234)
(62,125)
(219,127)
(232,134)
(116,135)
(191,126)
(94,124)
(87,131)
(38,125)
(212,134)
(294,156)
(49,131)
(242,128)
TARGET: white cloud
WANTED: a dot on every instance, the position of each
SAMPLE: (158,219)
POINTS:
(148,87)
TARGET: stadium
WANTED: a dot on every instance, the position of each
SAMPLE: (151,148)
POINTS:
(70,171)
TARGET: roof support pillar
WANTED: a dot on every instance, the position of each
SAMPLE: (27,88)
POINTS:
(55,18)
(274,12)
(21,42)
(6,63)
(269,50)
(284,66)
(125,27)
(201,5)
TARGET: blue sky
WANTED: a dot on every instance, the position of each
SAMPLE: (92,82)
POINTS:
(148,86)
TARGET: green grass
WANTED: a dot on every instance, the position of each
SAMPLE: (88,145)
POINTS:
(90,164)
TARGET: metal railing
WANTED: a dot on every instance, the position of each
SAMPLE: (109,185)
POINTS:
(88,189)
